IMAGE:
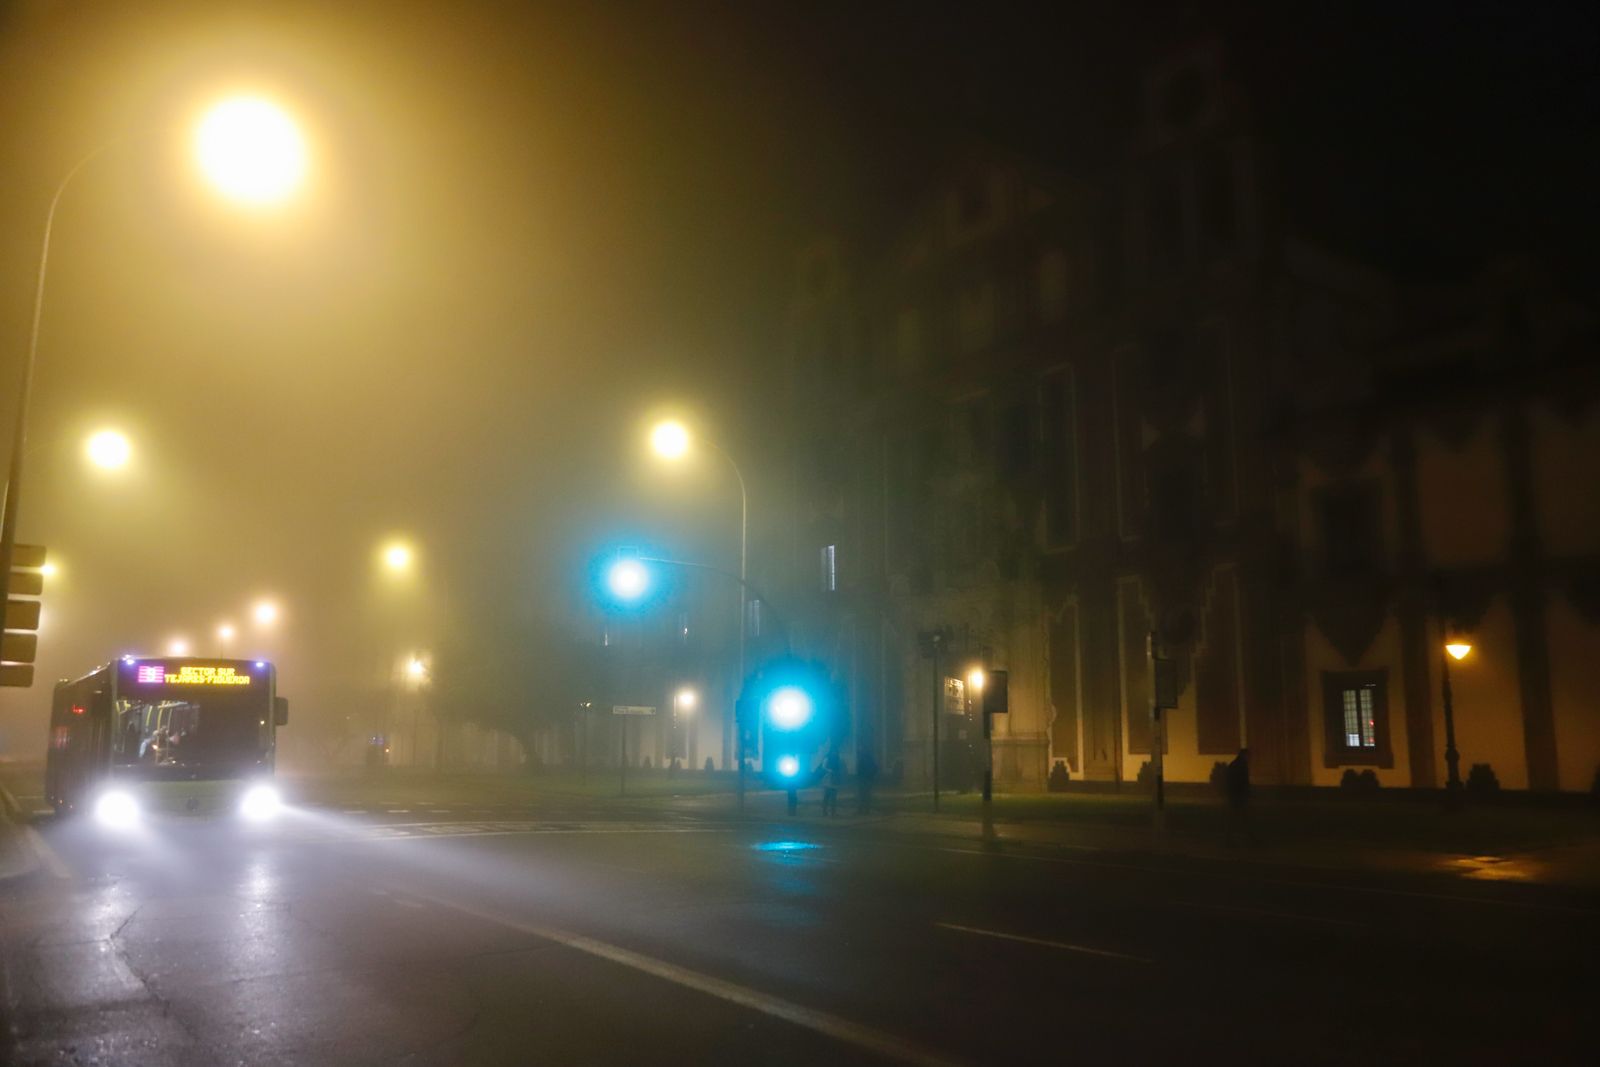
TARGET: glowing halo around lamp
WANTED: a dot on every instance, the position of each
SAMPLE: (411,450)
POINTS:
(1458,649)
(251,150)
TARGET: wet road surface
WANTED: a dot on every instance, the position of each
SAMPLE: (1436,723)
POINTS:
(440,934)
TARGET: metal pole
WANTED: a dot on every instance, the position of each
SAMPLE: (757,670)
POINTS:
(622,764)
(19,434)
(988,771)
(1157,742)
(1452,758)
(937,711)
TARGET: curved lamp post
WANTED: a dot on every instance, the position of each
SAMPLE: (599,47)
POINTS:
(671,440)
(253,153)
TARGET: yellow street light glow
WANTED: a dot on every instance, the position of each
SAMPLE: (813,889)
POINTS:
(687,698)
(108,450)
(265,613)
(670,439)
(976,678)
(416,668)
(1458,649)
(49,570)
(398,557)
(251,150)
(225,631)
(177,647)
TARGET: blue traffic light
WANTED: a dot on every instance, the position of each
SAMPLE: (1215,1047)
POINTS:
(628,579)
(790,708)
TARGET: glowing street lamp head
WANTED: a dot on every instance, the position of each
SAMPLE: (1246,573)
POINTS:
(789,708)
(628,579)
(788,766)
(976,678)
(49,570)
(1458,648)
(265,613)
(670,439)
(398,557)
(251,150)
(225,632)
(416,668)
(687,698)
(109,450)
(177,647)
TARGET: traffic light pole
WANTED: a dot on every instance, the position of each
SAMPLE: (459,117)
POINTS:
(19,433)
(938,696)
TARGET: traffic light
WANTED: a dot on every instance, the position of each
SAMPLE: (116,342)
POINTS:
(19,643)
(797,710)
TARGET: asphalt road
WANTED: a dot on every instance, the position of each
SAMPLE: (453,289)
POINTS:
(580,933)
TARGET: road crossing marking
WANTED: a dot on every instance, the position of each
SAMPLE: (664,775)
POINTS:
(1062,945)
(840,1029)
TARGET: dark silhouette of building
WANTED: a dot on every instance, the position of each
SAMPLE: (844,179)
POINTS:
(1054,414)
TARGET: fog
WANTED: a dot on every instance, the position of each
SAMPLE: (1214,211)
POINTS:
(526,229)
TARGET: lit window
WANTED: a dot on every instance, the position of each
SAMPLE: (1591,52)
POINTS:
(1355,707)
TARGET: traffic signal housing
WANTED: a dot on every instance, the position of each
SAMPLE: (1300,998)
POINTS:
(19,642)
(796,706)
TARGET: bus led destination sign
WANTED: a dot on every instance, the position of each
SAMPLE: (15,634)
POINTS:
(188,674)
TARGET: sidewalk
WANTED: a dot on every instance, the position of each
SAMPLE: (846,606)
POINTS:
(1529,846)
(17,854)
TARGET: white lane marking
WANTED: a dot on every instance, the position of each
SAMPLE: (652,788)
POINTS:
(47,855)
(438,811)
(1062,945)
(354,811)
(398,811)
(840,1029)
(1292,916)
(1227,876)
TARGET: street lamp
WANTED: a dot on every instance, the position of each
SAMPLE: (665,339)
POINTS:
(1456,648)
(109,450)
(671,440)
(628,579)
(177,647)
(252,152)
(265,613)
(398,557)
(225,634)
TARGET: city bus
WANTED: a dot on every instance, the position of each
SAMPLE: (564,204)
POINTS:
(177,734)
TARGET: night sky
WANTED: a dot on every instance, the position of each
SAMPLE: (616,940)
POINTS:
(530,226)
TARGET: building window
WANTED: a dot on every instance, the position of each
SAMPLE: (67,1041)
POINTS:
(975,318)
(1058,441)
(1356,716)
(830,570)
(908,341)
(1052,285)
(1348,520)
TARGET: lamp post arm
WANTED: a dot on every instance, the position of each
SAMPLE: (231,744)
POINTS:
(19,433)
(754,591)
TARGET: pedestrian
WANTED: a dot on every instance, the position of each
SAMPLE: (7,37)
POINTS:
(832,775)
(866,775)
(1238,791)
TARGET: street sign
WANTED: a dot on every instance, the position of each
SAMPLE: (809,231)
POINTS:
(19,648)
(27,555)
(22,615)
(631,709)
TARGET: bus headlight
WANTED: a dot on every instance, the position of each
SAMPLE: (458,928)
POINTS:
(116,809)
(260,803)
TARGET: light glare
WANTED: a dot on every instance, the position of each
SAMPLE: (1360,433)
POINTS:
(177,647)
(109,450)
(1458,649)
(687,698)
(265,613)
(790,708)
(260,803)
(398,557)
(116,809)
(788,766)
(628,579)
(251,150)
(670,440)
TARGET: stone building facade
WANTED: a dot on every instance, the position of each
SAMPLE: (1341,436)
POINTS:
(1055,417)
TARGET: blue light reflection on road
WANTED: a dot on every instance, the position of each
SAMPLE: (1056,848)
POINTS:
(785,846)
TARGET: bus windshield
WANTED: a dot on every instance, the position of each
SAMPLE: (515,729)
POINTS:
(213,730)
